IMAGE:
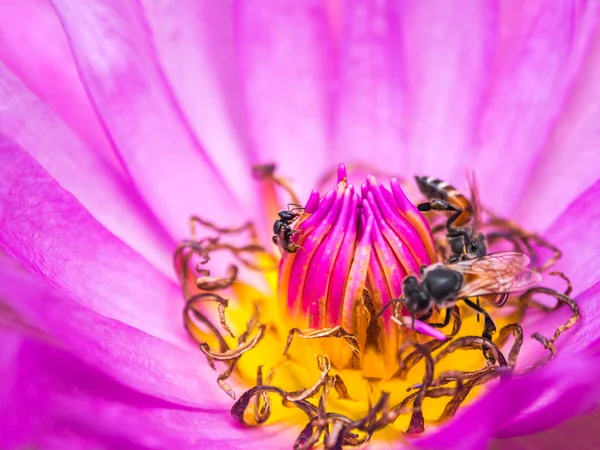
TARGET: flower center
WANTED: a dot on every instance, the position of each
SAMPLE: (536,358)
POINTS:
(317,333)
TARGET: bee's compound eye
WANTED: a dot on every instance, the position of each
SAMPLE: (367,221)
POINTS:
(423,303)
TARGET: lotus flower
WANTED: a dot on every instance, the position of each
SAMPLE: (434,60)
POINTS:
(119,120)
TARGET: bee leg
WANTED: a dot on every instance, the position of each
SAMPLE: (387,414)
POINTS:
(446,322)
(441,205)
(489,328)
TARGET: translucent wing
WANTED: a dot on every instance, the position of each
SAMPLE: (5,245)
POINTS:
(496,273)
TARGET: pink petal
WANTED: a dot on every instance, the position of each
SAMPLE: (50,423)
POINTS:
(117,63)
(369,126)
(102,189)
(558,177)
(448,57)
(525,100)
(146,363)
(58,401)
(34,48)
(51,234)
(287,60)
(576,233)
(580,432)
(195,44)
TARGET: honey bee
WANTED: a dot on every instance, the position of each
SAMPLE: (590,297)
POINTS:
(441,286)
(463,226)
(282,229)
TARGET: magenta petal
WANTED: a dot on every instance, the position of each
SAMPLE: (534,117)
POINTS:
(116,60)
(51,234)
(287,63)
(144,362)
(33,46)
(448,64)
(58,401)
(576,233)
(195,44)
(569,384)
(579,432)
(558,177)
(524,101)
(369,117)
(80,169)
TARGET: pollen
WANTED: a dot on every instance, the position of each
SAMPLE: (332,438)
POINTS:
(313,329)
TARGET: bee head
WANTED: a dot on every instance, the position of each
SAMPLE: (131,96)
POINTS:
(416,299)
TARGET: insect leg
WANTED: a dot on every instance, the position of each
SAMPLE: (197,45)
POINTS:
(297,207)
(447,316)
(489,328)
(441,205)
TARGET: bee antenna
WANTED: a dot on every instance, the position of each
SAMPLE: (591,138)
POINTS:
(388,304)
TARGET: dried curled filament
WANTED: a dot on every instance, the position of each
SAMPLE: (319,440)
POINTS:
(262,403)
(472,343)
(267,172)
(206,282)
(407,363)
(232,356)
(336,332)
(324,366)
(417,422)
(241,405)
(562,300)
(191,307)
(452,406)
(522,240)
(248,226)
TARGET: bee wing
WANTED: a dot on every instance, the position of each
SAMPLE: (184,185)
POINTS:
(475,223)
(496,273)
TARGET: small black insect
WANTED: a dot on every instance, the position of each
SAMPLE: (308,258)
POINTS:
(282,229)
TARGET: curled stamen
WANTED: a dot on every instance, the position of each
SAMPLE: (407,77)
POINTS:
(562,299)
(367,424)
(248,226)
(224,376)
(324,366)
(336,332)
(417,422)
(548,345)
(209,297)
(262,414)
(239,252)
(406,364)
(267,172)
(340,388)
(190,310)
(513,232)
(566,279)
(241,405)
(472,343)
(236,352)
(209,283)
(184,253)
(517,333)
(453,405)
